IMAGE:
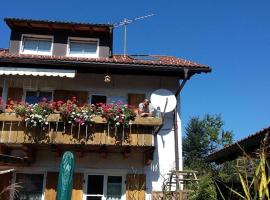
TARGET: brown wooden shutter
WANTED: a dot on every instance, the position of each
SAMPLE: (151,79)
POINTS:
(5,182)
(15,94)
(77,191)
(51,185)
(82,97)
(135,99)
(135,186)
(65,95)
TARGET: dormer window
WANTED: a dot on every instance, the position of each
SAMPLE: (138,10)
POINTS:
(36,44)
(83,47)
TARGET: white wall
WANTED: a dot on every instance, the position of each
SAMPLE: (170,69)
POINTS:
(164,155)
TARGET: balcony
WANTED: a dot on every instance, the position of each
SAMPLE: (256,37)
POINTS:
(13,130)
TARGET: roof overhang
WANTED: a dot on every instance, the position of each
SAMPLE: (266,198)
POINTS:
(57,25)
(37,72)
(104,67)
(247,145)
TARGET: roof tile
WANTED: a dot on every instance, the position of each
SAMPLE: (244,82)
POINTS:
(116,59)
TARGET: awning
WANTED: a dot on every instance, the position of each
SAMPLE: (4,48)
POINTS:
(6,171)
(37,72)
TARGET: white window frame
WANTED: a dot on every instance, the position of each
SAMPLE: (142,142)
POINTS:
(105,182)
(82,40)
(34,172)
(34,36)
(36,90)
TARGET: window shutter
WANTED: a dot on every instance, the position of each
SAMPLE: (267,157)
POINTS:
(77,191)
(64,95)
(51,185)
(135,186)
(5,182)
(15,94)
(82,97)
(1,91)
(135,99)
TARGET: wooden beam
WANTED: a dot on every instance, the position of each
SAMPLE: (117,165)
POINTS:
(57,150)
(29,25)
(104,152)
(127,152)
(4,149)
(29,153)
(79,149)
(149,155)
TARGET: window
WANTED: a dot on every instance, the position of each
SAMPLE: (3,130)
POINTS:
(101,187)
(98,99)
(114,188)
(95,187)
(135,99)
(83,47)
(31,186)
(41,45)
(33,97)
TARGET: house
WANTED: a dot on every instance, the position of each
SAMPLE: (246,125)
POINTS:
(249,145)
(59,60)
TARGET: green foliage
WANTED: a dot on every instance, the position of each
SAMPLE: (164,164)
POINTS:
(204,136)
(254,177)
(204,190)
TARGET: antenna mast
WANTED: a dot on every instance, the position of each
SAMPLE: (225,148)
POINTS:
(126,22)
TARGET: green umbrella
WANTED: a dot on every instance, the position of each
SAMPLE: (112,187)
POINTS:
(64,186)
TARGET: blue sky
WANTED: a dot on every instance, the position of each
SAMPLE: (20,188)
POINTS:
(232,37)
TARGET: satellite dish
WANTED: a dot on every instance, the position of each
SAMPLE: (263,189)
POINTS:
(164,99)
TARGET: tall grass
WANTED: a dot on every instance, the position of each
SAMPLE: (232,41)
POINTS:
(253,176)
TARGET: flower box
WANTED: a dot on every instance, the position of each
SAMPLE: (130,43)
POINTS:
(10,117)
(144,121)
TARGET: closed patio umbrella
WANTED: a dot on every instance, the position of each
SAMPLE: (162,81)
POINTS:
(65,179)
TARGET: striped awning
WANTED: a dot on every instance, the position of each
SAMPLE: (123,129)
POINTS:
(37,72)
(5,171)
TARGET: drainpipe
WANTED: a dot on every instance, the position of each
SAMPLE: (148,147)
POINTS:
(176,116)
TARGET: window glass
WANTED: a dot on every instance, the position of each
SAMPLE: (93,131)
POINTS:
(44,46)
(95,185)
(30,45)
(33,97)
(36,45)
(46,95)
(31,186)
(98,99)
(94,198)
(80,48)
(114,188)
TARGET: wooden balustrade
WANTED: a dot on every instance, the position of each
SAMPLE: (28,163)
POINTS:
(140,133)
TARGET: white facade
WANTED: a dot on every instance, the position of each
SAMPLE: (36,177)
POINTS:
(120,87)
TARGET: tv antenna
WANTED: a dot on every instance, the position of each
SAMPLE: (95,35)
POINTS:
(126,22)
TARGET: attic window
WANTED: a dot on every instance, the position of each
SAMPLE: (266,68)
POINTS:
(41,45)
(83,47)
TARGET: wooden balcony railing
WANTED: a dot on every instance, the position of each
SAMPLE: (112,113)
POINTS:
(140,133)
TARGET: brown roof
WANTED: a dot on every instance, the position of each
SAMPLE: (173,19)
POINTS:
(47,24)
(249,144)
(158,61)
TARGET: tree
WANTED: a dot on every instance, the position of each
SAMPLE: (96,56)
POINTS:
(204,136)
